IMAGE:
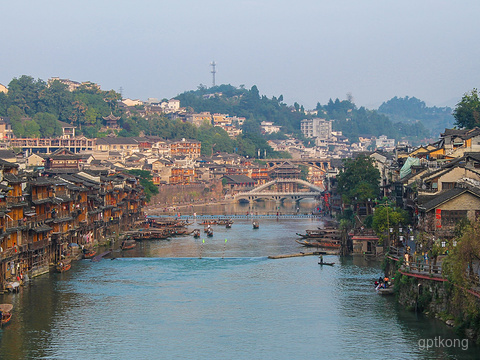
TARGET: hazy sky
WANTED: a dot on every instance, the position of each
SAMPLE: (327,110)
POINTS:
(307,50)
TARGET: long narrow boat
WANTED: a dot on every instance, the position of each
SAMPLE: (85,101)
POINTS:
(150,234)
(326,263)
(196,233)
(128,244)
(332,244)
(6,313)
(209,232)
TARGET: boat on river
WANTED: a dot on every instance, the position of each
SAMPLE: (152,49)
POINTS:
(385,291)
(150,234)
(326,263)
(6,313)
(63,266)
(89,253)
(128,244)
(13,286)
(196,233)
(210,232)
(255,224)
(324,243)
(321,233)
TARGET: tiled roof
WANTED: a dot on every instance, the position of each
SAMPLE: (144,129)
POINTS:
(445,196)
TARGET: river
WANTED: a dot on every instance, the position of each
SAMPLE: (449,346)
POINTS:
(218,298)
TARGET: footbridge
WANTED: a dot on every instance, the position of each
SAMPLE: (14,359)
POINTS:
(282,189)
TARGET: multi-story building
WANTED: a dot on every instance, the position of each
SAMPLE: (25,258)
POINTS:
(188,148)
(384,143)
(199,119)
(37,226)
(316,128)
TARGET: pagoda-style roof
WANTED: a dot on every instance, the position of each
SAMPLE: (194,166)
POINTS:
(111,117)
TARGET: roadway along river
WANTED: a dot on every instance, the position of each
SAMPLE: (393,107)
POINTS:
(185,299)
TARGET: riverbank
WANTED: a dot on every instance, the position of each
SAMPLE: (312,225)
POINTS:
(174,209)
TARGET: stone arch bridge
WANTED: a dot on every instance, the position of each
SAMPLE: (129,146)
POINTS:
(283,189)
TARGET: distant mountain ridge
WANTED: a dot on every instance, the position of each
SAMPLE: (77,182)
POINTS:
(411,110)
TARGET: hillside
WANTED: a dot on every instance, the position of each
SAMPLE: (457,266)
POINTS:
(412,110)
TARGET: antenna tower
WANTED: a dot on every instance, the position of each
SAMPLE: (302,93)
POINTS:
(212,64)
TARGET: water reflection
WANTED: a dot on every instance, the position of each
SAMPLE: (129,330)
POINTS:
(162,300)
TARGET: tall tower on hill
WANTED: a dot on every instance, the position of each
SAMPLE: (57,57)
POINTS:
(212,64)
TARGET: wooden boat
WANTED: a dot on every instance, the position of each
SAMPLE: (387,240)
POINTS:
(63,266)
(385,291)
(208,222)
(89,253)
(255,224)
(196,233)
(320,234)
(333,244)
(13,286)
(6,313)
(326,263)
(150,234)
(128,244)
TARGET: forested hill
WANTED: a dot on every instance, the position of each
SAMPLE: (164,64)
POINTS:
(227,99)
(411,110)
(349,119)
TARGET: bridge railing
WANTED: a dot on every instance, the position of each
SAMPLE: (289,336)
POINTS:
(240,216)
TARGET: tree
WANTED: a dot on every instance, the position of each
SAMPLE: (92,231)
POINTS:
(467,111)
(149,187)
(48,125)
(32,129)
(56,99)
(24,92)
(359,180)
(386,217)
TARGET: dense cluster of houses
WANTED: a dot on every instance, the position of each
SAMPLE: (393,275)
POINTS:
(42,214)
(438,183)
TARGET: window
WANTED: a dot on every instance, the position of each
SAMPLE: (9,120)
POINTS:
(451,217)
(448,185)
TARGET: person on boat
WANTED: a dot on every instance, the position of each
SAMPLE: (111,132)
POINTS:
(321,259)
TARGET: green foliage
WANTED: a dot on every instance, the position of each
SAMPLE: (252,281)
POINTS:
(467,111)
(244,103)
(459,264)
(386,217)
(303,172)
(359,179)
(355,122)
(149,188)
(28,98)
(48,125)
(411,110)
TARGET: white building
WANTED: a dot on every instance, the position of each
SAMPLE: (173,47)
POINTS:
(384,143)
(316,128)
(269,128)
